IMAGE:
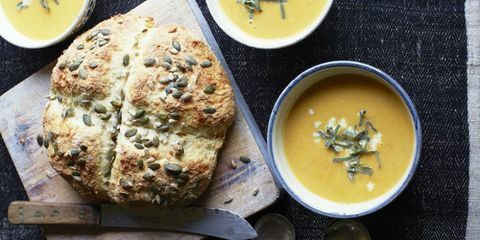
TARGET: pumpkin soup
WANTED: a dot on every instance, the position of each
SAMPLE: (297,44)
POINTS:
(273,19)
(349,139)
(41,19)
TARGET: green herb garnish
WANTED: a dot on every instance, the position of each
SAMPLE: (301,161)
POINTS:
(23,4)
(353,140)
(254,6)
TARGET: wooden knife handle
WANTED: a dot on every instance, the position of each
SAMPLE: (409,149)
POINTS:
(25,212)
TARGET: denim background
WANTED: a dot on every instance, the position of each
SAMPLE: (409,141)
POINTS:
(422,44)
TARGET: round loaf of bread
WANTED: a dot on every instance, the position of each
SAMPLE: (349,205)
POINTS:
(137,113)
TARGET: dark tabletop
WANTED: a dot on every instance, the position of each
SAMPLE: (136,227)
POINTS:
(421,43)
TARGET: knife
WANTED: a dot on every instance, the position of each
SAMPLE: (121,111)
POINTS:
(205,221)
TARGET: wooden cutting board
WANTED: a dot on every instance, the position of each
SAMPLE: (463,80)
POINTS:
(21,111)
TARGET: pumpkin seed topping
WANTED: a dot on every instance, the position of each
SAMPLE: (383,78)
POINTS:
(105,32)
(149,62)
(209,89)
(40,139)
(148,143)
(181,83)
(148,175)
(154,166)
(92,35)
(93,65)
(76,173)
(255,191)
(74,152)
(167,59)
(81,161)
(126,60)
(177,93)
(206,64)
(140,164)
(209,110)
(125,183)
(140,113)
(173,168)
(116,103)
(175,115)
(61,66)
(138,146)
(155,141)
(99,108)
(186,97)
(45,144)
(130,132)
(110,154)
(74,66)
(87,120)
(141,121)
(82,73)
(245,159)
(102,42)
(191,60)
(80,47)
(105,116)
(176,45)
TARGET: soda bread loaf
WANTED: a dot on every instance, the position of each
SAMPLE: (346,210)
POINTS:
(137,113)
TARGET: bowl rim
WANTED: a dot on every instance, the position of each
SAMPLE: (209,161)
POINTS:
(386,78)
(36,44)
(274,43)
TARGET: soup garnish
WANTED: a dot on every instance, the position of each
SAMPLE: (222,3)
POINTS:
(254,6)
(354,142)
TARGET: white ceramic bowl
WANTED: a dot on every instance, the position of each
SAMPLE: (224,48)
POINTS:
(9,33)
(277,161)
(236,33)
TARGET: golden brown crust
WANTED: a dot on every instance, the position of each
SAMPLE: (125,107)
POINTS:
(177,89)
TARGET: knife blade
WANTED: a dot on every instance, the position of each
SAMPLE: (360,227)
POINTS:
(205,221)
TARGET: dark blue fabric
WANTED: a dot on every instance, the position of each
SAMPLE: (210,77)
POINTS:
(420,43)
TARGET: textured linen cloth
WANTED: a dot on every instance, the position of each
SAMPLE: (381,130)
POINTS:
(420,43)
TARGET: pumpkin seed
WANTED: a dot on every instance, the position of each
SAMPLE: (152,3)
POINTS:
(209,89)
(110,154)
(99,108)
(75,173)
(59,99)
(74,66)
(148,175)
(154,166)
(255,191)
(175,115)
(45,144)
(81,161)
(87,120)
(176,45)
(92,35)
(209,110)
(155,141)
(77,178)
(105,116)
(130,132)
(74,152)
(102,42)
(126,60)
(149,62)
(140,164)
(61,66)
(140,113)
(177,93)
(138,138)
(191,60)
(181,83)
(125,183)
(148,143)
(206,64)
(138,146)
(162,127)
(40,139)
(166,66)
(108,173)
(80,47)
(82,73)
(167,59)
(186,97)
(116,103)
(168,88)
(105,32)
(83,147)
(141,121)
(93,65)
(173,168)
(124,194)
(245,159)
(164,80)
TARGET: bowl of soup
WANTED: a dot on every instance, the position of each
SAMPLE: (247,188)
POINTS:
(268,24)
(344,139)
(42,23)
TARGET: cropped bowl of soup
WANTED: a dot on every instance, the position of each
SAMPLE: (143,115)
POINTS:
(268,24)
(42,23)
(344,139)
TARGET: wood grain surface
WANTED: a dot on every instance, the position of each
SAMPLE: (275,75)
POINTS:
(21,111)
